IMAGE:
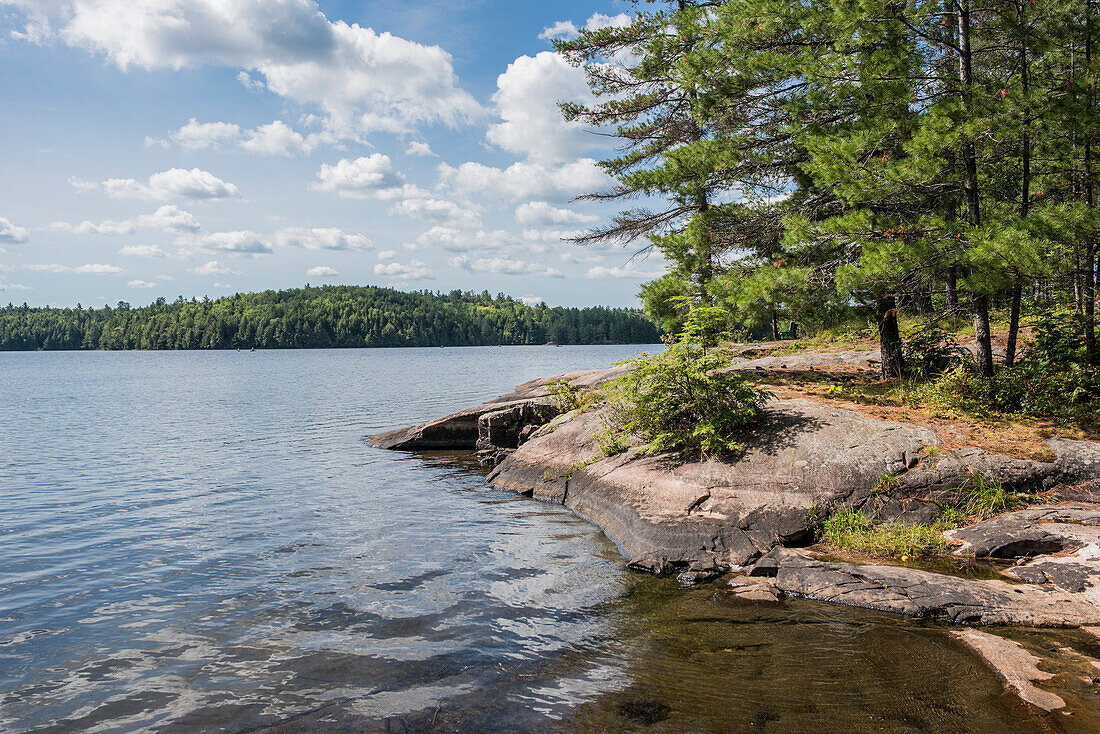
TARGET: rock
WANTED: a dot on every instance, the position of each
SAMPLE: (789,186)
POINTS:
(919,593)
(767,566)
(758,593)
(461,430)
(508,427)
(909,510)
(852,360)
(803,455)
(1032,532)
(800,463)
(1015,665)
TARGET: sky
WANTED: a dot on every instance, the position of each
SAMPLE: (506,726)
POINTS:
(158,148)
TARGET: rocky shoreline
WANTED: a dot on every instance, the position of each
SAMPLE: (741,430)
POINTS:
(754,516)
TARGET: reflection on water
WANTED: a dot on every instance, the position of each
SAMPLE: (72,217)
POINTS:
(202,541)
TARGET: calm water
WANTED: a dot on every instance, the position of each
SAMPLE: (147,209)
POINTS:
(203,542)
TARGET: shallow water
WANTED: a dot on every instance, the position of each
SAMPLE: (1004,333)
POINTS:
(202,541)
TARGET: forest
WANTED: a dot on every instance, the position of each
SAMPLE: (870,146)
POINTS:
(923,170)
(325,316)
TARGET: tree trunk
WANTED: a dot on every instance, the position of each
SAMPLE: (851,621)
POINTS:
(889,339)
(952,282)
(983,343)
(1013,323)
(775,327)
(980,307)
(1088,289)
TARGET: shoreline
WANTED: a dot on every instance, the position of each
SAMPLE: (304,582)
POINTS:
(754,515)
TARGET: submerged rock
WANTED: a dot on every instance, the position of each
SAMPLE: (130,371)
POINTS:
(929,595)
(1016,666)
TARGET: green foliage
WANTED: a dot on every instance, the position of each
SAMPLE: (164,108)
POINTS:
(1059,340)
(853,532)
(675,400)
(983,497)
(568,397)
(883,484)
(329,316)
(930,351)
(1050,381)
(611,442)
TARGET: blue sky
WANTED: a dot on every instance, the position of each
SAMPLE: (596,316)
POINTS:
(203,147)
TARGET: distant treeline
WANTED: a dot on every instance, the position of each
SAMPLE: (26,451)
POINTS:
(327,316)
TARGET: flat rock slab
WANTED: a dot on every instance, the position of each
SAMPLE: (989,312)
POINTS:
(1032,532)
(859,360)
(459,430)
(803,455)
(1017,667)
(919,593)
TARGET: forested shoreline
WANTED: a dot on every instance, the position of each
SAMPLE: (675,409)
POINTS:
(320,317)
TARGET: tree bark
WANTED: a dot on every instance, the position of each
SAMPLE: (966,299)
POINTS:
(983,343)
(1013,323)
(775,327)
(889,339)
(952,282)
(1088,289)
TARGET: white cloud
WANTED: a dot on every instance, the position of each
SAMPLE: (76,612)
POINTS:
(249,83)
(561,30)
(531,300)
(367,177)
(550,236)
(387,254)
(98,269)
(107,227)
(321,271)
(89,269)
(502,266)
(238,242)
(601,271)
(274,138)
(212,267)
(196,135)
(596,21)
(10,234)
(175,183)
(141,284)
(13,286)
(566,30)
(321,238)
(418,148)
(526,180)
(169,218)
(142,251)
(277,138)
(360,79)
(415,270)
(163,277)
(539,212)
(438,210)
(527,98)
(573,257)
(456,240)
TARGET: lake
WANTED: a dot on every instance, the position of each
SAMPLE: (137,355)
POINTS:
(203,541)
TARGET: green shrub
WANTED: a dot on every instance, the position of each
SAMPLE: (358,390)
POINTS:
(569,397)
(611,442)
(674,400)
(930,351)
